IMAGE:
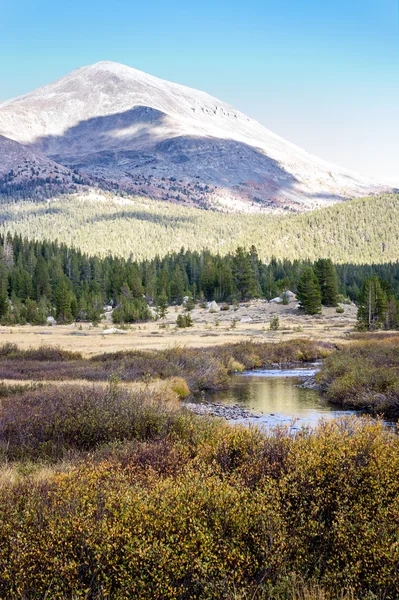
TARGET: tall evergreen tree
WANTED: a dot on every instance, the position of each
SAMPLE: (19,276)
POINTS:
(3,292)
(373,304)
(63,299)
(177,285)
(244,276)
(309,294)
(327,276)
(162,305)
(41,280)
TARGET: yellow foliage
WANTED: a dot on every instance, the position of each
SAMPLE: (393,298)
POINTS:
(234,366)
(180,386)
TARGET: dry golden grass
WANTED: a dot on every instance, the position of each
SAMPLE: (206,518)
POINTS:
(13,474)
(173,388)
(208,330)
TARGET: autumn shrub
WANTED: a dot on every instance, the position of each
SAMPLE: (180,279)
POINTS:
(364,375)
(202,368)
(231,513)
(42,353)
(180,387)
(233,366)
(49,422)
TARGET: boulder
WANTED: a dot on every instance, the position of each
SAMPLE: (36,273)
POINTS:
(290,296)
(114,330)
(213,306)
(153,312)
(277,300)
(51,321)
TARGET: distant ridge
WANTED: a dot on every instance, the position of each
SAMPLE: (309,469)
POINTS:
(114,124)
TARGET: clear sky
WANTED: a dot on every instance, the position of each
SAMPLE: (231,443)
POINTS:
(322,73)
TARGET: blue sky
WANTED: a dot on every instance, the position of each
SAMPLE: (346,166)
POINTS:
(322,73)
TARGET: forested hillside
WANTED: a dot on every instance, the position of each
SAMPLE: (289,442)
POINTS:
(361,231)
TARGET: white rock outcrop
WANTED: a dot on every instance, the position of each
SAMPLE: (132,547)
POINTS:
(213,306)
(113,330)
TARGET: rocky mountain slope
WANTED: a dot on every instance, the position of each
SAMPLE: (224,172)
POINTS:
(118,125)
(27,172)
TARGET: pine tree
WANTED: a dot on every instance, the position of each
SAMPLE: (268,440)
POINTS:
(63,300)
(244,277)
(208,278)
(327,276)
(177,285)
(8,249)
(4,304)
(309,294)
(162,305)
(372,304)
(41,280)
(134,281)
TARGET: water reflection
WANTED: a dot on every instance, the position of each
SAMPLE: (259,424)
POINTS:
(276,397)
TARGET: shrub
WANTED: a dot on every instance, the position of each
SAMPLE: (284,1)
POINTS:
(211,511)
(364,375)
(183,321)
(48,422)
(234,366)
(42,353)
(180,387)
(275,323)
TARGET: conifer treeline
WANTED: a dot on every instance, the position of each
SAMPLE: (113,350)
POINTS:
(39,279)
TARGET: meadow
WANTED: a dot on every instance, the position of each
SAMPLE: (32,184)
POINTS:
(202,368)
(111,489)
(109,493)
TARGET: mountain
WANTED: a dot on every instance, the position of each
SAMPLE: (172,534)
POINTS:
(155,138)
(26,172)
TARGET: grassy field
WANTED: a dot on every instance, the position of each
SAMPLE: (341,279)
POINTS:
(209,329)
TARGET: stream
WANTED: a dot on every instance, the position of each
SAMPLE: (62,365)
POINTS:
(271,397)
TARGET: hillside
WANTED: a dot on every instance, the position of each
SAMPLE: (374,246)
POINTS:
(361,231)
(154,138)
(27,172)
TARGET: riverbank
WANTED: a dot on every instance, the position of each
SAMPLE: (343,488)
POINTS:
(364,375)
(202,368)
(232,412)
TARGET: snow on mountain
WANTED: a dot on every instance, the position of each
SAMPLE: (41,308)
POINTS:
(171,142)
(392,181)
